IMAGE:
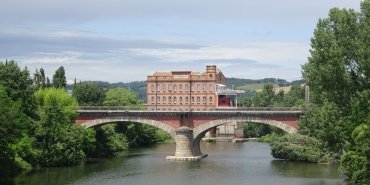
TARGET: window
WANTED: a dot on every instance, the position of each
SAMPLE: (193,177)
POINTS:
(198,99)
(152,87)
(158,99)
(152,99)
(169,87)
(186,99)
(180,87)
(192,87)
(186,87)
(164,87)
(164,99)
(175,100)
(204,99)
(210,76)
(210,99)
(158,87)
(210,88)
(169,100)
(192,99)
(175,88)
(198,87)
(204,87)
(180,99)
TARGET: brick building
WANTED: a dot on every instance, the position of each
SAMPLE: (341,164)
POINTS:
(184,90)
(190,91)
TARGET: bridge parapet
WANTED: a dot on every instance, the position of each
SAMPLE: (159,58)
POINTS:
(188,127)
(140,107)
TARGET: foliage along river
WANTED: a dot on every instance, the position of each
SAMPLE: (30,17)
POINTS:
(227,163)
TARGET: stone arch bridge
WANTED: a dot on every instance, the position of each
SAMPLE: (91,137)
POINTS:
(187,128)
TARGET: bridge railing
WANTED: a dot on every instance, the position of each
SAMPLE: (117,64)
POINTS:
(217,109)
(111,108)
(260,108)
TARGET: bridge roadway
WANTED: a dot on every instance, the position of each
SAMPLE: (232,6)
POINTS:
(187,128)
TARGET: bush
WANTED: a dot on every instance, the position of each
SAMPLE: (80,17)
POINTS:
(297,148)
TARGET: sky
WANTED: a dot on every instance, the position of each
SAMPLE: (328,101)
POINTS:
(127,40)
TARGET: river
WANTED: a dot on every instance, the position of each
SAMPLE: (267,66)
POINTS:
(227,163)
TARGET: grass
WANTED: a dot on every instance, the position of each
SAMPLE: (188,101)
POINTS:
(255,86)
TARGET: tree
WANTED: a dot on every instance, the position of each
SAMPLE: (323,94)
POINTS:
(108,141)
(338,75)
(264,98)
(18,86)
(121,97)
(59,78)
(11,120)
(88,94)
(297,147)
(61,142)
(279,98)
(136,134)
(332,71)
(39,79)
(48,84)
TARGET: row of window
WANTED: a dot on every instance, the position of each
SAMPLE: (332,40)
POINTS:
(181,99)
(169,109)
(181,87)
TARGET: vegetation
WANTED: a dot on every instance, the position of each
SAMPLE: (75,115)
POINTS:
(88,94)
(297,147)
(59,141)
(11,120)
(268,98)
(37,121)
(338,74)
(121,97)
(59,78)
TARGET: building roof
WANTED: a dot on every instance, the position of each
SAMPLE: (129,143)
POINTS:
(162,74)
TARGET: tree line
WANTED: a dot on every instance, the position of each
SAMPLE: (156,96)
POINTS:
(336,123)
(37,121)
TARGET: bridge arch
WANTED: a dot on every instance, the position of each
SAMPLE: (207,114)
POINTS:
(202,129)
(100,121)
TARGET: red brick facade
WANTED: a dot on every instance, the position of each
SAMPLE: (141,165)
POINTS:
(183,90)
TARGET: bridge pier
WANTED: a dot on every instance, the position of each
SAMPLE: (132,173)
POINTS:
(187,149)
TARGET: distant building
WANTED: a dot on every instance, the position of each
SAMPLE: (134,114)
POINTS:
(191,91)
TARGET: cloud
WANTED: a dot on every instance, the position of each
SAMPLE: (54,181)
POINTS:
(26,43)
(77,11)
(247,60)
(126,40)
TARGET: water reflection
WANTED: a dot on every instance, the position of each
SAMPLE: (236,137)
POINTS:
(228,163)
(305,170)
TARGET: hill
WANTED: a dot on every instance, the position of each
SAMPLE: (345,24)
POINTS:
(250,86)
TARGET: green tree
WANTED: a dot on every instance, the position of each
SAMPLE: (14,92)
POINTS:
(136,134)
(122,97)
(59,78)
(39,79)
(88,94)
(279,98)
(61,142)
(337,73)
(332,71)
(11,123)
(48,84)
(295,97)
(108,141)
(18,86)
(264,98)
(297,147)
